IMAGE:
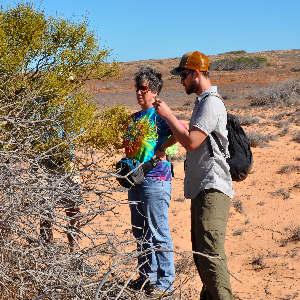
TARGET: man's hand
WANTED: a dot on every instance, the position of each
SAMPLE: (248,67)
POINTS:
(162,109)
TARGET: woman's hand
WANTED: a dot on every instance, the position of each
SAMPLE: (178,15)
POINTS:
(161,155)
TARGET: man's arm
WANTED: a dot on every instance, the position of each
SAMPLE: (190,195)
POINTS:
(189,139)
(170,141)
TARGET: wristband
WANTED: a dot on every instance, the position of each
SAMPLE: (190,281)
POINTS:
(161,150)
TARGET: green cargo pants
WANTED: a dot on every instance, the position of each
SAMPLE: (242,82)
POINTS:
(209,216)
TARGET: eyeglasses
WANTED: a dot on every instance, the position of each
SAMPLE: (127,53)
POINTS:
(143,89)
(185,74)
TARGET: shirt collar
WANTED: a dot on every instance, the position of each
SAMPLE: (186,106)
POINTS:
(209,91)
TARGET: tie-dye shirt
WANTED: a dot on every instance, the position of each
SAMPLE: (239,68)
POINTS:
(145,134)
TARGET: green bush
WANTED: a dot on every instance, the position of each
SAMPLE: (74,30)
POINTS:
(239,63)
(235,52)
(45,62)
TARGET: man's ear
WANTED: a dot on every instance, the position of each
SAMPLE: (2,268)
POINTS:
(196,73)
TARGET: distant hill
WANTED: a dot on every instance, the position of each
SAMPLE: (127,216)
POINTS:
(233,85)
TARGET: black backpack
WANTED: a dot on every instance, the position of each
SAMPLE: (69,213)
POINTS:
(241,158)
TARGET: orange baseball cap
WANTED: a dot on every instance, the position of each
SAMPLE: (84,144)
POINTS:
(192,61)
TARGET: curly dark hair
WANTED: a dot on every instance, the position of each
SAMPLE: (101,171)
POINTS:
(152,77)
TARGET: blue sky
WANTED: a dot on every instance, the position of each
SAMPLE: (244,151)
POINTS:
(142,30)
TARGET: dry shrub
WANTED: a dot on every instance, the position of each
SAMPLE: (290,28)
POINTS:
(238,63)
(285,93)
(238,205)
(238,232)
(293,236)
(247,120)
(258,262)
(34,193)
(287,169)
(296,136)
(259,140)
(281,192)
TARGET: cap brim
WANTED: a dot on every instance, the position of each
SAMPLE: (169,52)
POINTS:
(177,71)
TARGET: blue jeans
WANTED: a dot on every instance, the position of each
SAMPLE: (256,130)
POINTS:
(149,204)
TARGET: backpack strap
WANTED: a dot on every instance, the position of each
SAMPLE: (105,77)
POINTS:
(150,165)
(210,149)
(218,143)
(213,134)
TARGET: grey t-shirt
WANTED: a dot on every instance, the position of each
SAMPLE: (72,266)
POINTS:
(201,170)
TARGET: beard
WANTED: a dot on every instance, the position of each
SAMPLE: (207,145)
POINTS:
(192,88)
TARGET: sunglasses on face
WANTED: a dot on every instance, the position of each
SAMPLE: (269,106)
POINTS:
(185,74)
(143,89)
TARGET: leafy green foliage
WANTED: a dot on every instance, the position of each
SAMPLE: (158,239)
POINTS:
(239,63)
(108,128)
(44,64)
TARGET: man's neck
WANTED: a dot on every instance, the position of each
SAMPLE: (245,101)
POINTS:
(203,85)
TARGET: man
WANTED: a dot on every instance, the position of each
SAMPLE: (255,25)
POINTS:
(207,179)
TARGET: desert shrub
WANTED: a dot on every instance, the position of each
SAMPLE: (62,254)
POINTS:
(235,52)
(297,185)
(182,116)
(293,235)
(238,63)
(44,112)
(108,128)
(238,232)
(187,103)
(275,94)
(247,120)
(295,68)
(284,131)
(258,262)
(287,169)
(296,136)
(258,139)
(280,116)
(180,199)
(238,205)
(281,192)
(178,157)
(281,124)
(181,108)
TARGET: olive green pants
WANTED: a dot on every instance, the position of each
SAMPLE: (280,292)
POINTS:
(209,216)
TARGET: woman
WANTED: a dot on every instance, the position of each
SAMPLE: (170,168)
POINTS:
(149,135)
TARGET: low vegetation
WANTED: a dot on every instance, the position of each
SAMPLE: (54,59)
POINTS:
(282,192)
(293,235)
(258,262)
(246,120)
(238,205)
(275,94)
(235,52)
(287,169)
(239,63)
(259,140)
(296,136)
